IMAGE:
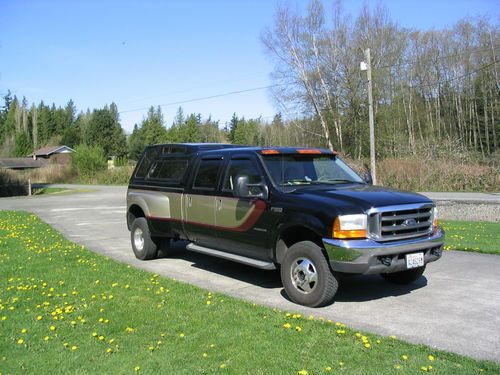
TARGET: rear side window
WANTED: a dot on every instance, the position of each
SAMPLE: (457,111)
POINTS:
(168,170)
(146,162)
(207,175)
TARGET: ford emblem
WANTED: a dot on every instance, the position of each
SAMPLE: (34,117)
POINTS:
(409,222)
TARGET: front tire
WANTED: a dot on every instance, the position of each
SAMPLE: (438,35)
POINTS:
(142,244)
(404,277)
(306,275)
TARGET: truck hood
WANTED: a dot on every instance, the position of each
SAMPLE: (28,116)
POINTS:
(353,197)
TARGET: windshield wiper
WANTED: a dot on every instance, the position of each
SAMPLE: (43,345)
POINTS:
(296,181)
(339,180)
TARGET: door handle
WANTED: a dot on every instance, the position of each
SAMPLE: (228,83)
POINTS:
(189,201)
(219,204)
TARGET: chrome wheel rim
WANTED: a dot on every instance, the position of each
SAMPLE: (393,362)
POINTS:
(304,275)
(139,239)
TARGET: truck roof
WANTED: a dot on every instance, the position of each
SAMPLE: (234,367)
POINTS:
(190,148)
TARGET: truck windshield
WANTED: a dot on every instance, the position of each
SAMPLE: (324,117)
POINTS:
(291,169)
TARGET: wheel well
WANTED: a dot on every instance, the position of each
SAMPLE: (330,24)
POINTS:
(291,236)
(133,213)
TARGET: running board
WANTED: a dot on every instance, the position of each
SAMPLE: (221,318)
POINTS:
(262,264)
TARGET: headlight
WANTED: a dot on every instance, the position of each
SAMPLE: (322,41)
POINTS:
(350,226)
(435,221)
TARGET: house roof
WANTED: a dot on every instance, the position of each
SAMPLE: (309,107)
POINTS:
(21,163)
(49,150)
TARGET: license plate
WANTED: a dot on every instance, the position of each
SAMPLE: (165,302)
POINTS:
(414,260)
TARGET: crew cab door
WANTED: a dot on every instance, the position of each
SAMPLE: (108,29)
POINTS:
(199,201)
(241,220)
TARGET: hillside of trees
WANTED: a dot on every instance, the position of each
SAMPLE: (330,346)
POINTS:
(436,94)
(434,91)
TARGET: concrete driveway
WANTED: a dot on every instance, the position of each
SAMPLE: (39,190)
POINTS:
(455,307)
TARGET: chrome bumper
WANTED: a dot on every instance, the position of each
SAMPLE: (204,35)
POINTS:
(372,257)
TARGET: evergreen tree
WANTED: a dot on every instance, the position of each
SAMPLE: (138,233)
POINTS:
(136,143)
(232,127)
(22,145)
(152,128)
(43,124)
(188,132)
(102,131)
(179,117)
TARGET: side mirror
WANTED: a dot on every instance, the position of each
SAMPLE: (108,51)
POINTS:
(368,178)
(246,190)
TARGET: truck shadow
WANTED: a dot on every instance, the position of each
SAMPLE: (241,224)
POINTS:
(251,275)
(356,288)
(362,288)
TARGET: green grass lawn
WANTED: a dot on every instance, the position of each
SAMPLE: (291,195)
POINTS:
(64,309)
(482,237)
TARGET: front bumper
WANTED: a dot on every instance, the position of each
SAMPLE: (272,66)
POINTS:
(372,257)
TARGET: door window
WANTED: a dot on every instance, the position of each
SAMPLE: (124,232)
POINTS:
(242,167)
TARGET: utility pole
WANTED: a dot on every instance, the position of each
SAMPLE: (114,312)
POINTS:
(368,67)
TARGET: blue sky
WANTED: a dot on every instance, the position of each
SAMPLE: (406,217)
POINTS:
(143,53)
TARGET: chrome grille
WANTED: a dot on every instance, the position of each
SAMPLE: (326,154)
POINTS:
(400,222)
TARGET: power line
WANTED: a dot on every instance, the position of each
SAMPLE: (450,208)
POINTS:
(206,97)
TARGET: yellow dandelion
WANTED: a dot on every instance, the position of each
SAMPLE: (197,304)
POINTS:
(20,342)
(24,330)
(39,317)
(65,344)
(430,357)
(367,345)
(74,348)
(109,350)
(404,357)
(151,348)
(298,329)
(205,355)
(46,338)
(328,369)
(181,335)
(94,334)
(137,369)
(52,328)
(302,372)
(287,325)
(222,366)
(101,338)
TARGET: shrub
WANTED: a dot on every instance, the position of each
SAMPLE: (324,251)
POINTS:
(11,185)
(88,160)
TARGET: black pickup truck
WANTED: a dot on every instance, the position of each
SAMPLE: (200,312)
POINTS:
(302,210)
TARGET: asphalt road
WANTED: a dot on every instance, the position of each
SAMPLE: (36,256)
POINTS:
(454,307)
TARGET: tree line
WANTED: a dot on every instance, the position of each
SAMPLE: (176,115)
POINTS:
(435,92)
(25,128)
